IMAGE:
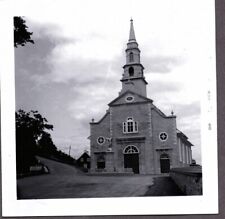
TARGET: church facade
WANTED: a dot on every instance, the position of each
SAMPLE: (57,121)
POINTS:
(134,135)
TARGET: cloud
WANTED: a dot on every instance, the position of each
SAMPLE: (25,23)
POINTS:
(67,89)
(161,87)
(162,63)
(70,62)
(71,80)
(189,109)
(81,71)
(34,58)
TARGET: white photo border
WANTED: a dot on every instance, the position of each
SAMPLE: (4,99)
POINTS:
(204,204)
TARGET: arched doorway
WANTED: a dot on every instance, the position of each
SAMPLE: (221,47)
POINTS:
(165,163)
(131,158)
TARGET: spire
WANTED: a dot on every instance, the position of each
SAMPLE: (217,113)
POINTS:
(132,35)
(133,77)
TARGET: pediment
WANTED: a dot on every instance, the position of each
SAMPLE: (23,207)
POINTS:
(129,97)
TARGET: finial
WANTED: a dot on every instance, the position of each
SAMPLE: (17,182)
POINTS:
(131,20)
(172,112)
(92,120)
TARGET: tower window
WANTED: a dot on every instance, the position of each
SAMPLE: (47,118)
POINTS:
(131,71)
(130,126)
(131,57)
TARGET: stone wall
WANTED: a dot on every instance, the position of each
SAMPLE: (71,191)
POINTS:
(188,179)
(141,139)
(101,128)
(160,124)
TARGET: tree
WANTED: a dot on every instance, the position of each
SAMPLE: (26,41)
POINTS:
(46,146)
(21,34)
(30,127)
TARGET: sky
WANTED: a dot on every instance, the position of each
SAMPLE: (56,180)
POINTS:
(74,68)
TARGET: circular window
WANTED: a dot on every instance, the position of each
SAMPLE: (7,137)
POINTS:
(100,140)
(129,98)
(163,136)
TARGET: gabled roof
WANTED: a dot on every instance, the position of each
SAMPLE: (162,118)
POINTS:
(85,154)
(183,137)
(130,92)
(107,112)
(161,113)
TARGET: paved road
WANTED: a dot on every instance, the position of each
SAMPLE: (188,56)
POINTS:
(66,181)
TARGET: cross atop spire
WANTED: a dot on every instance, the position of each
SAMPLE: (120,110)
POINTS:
(132,34)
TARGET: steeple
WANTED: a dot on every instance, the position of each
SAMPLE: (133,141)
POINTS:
(132,34)
(133,76)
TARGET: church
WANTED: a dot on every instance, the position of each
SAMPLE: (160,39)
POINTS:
(134,136)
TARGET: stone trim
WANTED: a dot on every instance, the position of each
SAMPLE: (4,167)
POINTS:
(120,104)
(164,149)
(145,99)
(103,152)
(130,139)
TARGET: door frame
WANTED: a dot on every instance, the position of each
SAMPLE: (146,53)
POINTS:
(132,150)
(164,157)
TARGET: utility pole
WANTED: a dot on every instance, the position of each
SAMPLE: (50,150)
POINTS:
(69,150)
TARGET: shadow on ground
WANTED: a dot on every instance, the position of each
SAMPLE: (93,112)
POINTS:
(163,186)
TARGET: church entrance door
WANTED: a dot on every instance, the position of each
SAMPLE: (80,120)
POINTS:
(165,163)
(132,161)
(131,158)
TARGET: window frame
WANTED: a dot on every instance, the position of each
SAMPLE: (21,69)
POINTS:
(131,57)
(161,133)
(131,71)
(130,126)
(131,149)
(100,143)
(129,99)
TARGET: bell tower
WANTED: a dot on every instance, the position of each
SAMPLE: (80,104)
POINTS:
(133,77)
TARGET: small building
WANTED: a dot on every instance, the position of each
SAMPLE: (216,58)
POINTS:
(134,135)
(84,160)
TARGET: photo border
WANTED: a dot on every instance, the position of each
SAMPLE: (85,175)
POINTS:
(205,204)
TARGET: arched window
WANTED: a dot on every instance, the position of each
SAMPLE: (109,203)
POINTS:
(131,149)
(131,71)
(130,126)
(131,57)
